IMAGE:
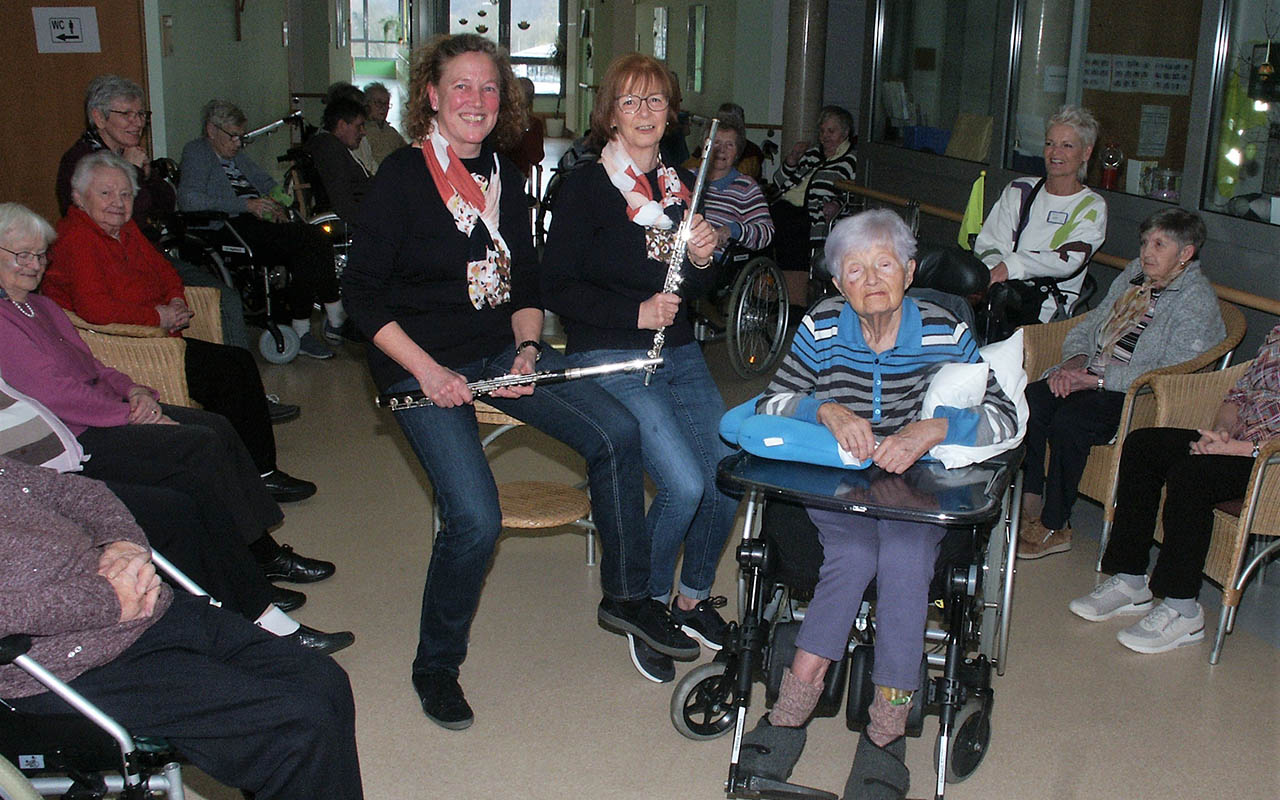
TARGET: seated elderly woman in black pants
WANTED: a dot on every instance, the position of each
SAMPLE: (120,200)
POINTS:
(1160,311)
(1196,470)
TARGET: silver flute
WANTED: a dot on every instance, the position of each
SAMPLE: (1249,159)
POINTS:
(400,401)
(672,283)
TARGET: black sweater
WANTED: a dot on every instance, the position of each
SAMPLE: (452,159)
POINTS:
(408,264)
(595,272)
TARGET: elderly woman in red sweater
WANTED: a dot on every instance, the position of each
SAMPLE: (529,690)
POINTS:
(105,270)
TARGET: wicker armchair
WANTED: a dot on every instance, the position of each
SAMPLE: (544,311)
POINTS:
(1190,401)
(1042,348)
(148,354)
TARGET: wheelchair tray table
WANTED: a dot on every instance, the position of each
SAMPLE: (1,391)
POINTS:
(927,492)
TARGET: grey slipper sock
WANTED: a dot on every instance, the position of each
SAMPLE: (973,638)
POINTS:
(1132,581)
(796,701)
(1186,606)
(771,751)
(879,773)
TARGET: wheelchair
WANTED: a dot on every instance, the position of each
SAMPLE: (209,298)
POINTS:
(83,754)
(754,306)
(779,557)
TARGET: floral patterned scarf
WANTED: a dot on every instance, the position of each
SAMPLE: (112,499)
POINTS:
(471,198)
(658,216)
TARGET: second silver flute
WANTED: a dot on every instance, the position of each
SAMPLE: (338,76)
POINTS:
(676,261)
(400,401)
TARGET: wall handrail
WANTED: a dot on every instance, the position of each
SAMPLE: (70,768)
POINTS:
(1239,297)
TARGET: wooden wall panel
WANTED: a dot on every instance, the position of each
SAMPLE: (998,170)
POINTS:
(44,93)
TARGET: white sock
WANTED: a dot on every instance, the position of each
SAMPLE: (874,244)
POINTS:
(1132,581)
(273,620)
(335,313)
(1185,606)
(302,326)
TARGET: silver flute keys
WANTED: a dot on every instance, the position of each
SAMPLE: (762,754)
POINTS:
(400,401)
(672,282)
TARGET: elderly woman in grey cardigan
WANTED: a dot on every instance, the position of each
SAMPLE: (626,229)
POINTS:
(1160,311)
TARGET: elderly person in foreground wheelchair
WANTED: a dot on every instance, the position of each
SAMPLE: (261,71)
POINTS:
(859,367)
(104,269)
(252,710)
(218,176)
(1160,311)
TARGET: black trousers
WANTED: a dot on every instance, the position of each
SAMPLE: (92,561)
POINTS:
(791,230)
(1160,458)
(225,380)
(254,711)
(1067,427)
(217,560)
(304,250)
(202,457)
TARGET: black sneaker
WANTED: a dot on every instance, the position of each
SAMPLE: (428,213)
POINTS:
(650,663)
(703,622)
(281,412)
(442,700)
(650,621)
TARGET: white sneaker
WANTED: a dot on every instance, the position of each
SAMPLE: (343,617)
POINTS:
(1162,630)
(1112,598)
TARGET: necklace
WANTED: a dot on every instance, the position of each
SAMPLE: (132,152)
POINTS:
(25,308)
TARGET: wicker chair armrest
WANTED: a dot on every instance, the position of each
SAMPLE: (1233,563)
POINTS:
(118,328)
(156,362)
(206,303)
(1262,496)
(1042,345)
(1191,400)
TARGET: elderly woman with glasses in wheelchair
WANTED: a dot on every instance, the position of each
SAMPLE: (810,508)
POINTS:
(859,367)
(734,204)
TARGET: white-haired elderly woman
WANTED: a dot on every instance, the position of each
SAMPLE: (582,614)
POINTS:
(217,175)
(1050,226)
(116,116)
(859,365)
(381,135)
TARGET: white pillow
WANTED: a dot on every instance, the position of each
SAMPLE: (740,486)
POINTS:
(953,385)
(30,433)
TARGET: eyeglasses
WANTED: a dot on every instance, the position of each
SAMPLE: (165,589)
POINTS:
(630,103)
(235,137)
(27,257)
(132,116)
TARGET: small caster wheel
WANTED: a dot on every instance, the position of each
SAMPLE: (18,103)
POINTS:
(281,353)
(972,735)
(703,705)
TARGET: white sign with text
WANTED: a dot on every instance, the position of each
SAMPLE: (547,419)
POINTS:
(66,29)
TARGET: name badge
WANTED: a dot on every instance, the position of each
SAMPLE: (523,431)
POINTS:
(1057,218)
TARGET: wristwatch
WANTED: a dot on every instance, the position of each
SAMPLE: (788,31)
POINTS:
(1256,449)
(1102,383)
(536,345)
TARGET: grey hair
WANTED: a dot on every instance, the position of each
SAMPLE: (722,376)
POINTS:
(221,113)
(862,231)
(101,159)
(1080,120)
(842,117)
(377,87)
(1186,227)
(105,88)
(16,221)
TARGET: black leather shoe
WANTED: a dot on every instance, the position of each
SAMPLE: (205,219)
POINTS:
(285,488)
(289,566)
(281,412)
(287,599)
(320,641)
(442,700)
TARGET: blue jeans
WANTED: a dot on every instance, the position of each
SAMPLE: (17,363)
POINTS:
(679,415)
(447,442)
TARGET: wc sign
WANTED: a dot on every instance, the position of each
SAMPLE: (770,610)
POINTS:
(65,29)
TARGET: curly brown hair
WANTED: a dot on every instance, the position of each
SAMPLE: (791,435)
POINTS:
(429,63)
(638,71)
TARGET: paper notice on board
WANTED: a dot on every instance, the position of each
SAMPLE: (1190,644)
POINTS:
(1153,131)
(1055,79)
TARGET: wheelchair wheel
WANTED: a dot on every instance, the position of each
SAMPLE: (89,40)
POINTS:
(758,312)
(13,784)
(283,353)
(969,741)
(703,705)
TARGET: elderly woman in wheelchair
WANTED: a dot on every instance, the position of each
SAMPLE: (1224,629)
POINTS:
(854,384)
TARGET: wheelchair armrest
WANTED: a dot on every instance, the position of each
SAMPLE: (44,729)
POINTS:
(203,219)
(12,646)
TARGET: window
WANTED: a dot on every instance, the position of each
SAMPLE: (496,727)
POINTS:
(1242,169)
(1130,62)
(529,29)
(377,28)
(935,75)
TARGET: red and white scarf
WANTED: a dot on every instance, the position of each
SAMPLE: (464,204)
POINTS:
(642,207)
(471,198)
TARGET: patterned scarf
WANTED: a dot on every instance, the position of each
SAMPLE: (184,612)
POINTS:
(1129,309)
(658,216)
(471,198)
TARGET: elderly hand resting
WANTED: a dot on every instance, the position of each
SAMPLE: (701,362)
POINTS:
(144,410)
(127,566)
(895,453)
(266,208)
(1220,443)
(175,315)
(1071,376)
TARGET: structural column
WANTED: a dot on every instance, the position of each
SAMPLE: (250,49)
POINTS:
(806,66)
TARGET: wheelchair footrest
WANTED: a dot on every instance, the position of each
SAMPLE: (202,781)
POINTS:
(754,786)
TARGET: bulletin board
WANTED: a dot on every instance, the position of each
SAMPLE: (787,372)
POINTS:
(1138,73)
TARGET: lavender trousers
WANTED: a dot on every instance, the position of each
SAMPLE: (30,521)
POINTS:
(900,556)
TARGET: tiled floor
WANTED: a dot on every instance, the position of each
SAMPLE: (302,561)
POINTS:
(561,713)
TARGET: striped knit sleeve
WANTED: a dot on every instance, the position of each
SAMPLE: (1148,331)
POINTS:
(753,214)
(992,421)
(791,393)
